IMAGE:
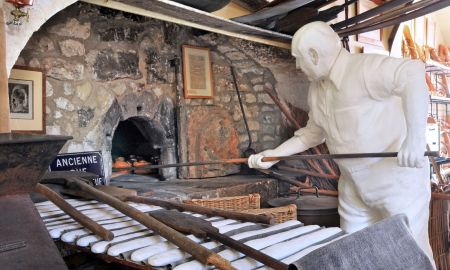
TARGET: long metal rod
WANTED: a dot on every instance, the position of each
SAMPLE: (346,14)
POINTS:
(293,157)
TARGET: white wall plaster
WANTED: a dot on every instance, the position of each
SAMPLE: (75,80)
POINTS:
(18,36)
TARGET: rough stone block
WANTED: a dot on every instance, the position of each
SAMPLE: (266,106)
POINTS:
(225,48)
(119,33)
(158,67)
(57,114)
(254,125)
(111,65)
(236,56)
(72,28)
(268,129)
(34,63)
(84,91)
(62,69)
(85,115)
(250,98)
(46,44)
(68,89)
(48,89)
(265,98)
(71,48)
(64,104)
(258,88)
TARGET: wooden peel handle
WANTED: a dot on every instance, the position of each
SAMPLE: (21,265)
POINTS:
(74,213)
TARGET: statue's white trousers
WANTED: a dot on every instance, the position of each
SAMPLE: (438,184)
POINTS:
(370,193)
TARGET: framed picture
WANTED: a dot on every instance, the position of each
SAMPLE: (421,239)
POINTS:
(197,73)
(26,91)
(373,37)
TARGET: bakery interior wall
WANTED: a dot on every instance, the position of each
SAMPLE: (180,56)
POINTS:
(104,66)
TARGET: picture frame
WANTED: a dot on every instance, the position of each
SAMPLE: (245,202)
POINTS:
(197,72)
(26,91)
(374,37)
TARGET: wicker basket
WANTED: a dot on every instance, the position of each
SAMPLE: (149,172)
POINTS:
(236,203)
(438,233)
(281,214)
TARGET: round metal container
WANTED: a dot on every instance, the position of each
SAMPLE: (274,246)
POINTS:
(311,209)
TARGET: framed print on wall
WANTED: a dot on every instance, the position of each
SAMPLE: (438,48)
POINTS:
(26,91)
(197,73)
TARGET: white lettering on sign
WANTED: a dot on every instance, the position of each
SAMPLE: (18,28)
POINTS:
(76,161)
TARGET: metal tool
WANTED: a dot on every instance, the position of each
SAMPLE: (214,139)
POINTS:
(293,157)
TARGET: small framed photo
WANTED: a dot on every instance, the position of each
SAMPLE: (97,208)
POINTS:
(197,72)
(26,91)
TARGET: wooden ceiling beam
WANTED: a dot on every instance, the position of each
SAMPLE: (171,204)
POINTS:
(173,12)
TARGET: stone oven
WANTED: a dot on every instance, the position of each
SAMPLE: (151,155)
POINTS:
(141,126)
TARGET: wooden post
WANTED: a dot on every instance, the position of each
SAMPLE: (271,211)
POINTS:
(4,99)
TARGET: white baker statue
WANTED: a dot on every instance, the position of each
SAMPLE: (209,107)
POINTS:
(365,103)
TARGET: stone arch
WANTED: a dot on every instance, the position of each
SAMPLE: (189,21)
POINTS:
(17,37)
(153,121)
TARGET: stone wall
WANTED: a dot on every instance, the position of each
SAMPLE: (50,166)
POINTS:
(103,66)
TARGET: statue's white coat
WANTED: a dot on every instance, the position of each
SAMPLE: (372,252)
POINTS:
(365,103)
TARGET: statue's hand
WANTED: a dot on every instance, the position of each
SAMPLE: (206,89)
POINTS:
(411,153)
(254,161)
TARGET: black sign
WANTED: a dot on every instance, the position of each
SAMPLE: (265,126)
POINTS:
(83,161)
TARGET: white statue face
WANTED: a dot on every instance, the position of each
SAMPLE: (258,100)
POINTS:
(311,65)
(315,47)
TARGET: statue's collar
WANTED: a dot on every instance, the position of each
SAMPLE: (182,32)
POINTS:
(339,67)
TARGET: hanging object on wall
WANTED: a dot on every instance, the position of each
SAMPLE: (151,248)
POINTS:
(18,13)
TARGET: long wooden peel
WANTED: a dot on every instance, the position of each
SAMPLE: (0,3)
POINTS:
(293,157)
(74,213)
(202,210)
(199,252)
(202,228)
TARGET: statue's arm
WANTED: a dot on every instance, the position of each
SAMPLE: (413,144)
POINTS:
(412,88)
(303,139)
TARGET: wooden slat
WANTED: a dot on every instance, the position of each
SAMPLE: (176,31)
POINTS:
(180,14)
